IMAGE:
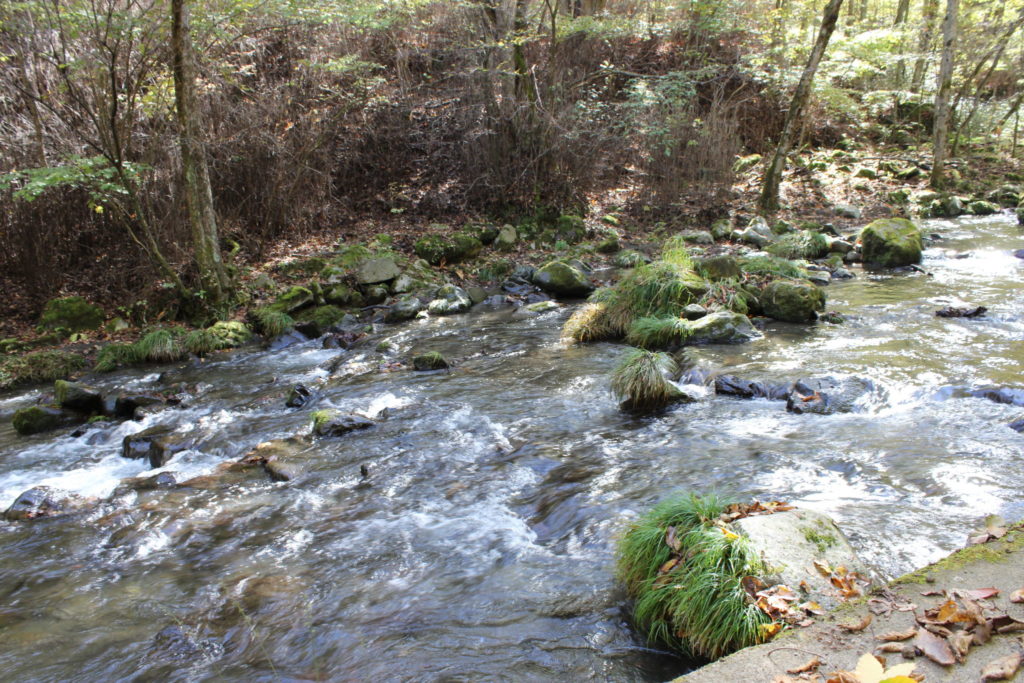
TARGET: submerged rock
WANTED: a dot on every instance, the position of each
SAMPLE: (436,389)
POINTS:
(954,312)
(157,444)
(729,385)
(330,423)
(430,361)
(827,395)
(1006,395)
(44,501)
(127,405)
(891,242)
(161,480)
(298,396)
(792,301)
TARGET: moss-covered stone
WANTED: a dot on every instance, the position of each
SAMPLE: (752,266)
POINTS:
(792,301)
(450,299)
(721,327)
(571,229)
(78,397)
(800,245)
(982,208)
(561,279)
(295,299)
(38,419)
(322,316)
(230,333)
(72,313)
(343,295)
(405,308)
(39,366)
(718,268)
(435,249)
(431,360)
(891,242)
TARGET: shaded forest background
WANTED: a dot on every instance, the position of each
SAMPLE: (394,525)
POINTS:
(318,115)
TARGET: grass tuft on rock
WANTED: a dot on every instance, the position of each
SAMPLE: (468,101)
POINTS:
(588,324)
(771,267)
(160,346)
(658,333)
(113,356)
(39,366)
(201,342)
(272,322)
(640,380)
(683,569)
(432,360)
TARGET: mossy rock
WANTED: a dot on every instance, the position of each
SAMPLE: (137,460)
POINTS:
(38,419)
(506,239)
(609,245)
(435,249)
(982,208)
(800,245)
(322,316)
(792,301)
(39,366)
(484,232)
(561,279)
(719,268)
(78,397)
(571,229)
(230,333)
(450,299)
(721,327)
(891,242)
(405,308)
(868,173)
(431,360)
(343,295)
(72,313)
(377,270)
(295,299)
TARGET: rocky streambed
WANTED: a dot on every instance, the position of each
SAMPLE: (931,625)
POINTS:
(467,531)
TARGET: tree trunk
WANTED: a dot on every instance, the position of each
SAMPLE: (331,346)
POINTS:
(769,201)
(941,133)
(198,195)
(929,12)
(902,11)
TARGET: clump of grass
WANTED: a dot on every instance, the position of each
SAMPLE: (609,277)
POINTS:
(771,267)
(318,418)
(201,342)
(684,571)
(160,346)
(726,295)
(588,323)
(113,356)
(272,322)
(432,360)
(39,366)
(658,333)
(640,381)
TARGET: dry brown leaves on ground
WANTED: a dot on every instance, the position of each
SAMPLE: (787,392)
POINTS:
(741,510)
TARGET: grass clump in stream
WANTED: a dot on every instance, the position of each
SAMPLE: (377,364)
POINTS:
(272,322)
(684,568)
(162,345)
(658,333)
(640,382)
(661,289)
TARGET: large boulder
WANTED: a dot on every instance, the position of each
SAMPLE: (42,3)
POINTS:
(377,270)
(721,327)
(800,245)
(792,301)
(792,543)
(891,242)
(561,279)
(450,299)
(72,313)
(38,419)
(78,397)
(405,308)
(44,501)
(157,444)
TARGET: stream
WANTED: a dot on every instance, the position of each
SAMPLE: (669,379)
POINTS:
(480,546)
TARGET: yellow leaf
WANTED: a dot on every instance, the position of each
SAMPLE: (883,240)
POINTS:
(870,670)
(769,630)
(730,535)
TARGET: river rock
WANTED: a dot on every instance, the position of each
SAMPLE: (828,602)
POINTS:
(339,424)
(430,361)
(506,239)
(792,301)
(1005,395)
(157,444)
(450,299)
(295,299)
(721,327)
(891,242)
(161,480)
(561,279)
(127,405)
(1017,425)
(377,270)
(961,312)
(718,268)
(980,207)
(44,501)
(78,397)
(790,542)
(753,237)
(730,385)
(38,419)
(406,308)
(694,312)
(827,395)
(298,396)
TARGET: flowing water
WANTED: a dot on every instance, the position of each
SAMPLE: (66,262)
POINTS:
(480,547)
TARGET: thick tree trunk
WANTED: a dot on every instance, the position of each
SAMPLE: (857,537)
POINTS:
(929,11)
(902,11)
(941,132)
(769,201)
(198,195)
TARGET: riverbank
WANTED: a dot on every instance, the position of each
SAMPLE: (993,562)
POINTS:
(955,620)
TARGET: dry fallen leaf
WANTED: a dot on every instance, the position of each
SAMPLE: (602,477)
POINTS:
(854,628)
(1002,669)
(812,665)
(1017,595)
(934,648)
(871,670)
(960,642)
(898,635)
(890,647)
(842,677)
(980,593)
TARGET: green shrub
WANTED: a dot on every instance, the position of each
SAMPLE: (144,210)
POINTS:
(639,380)
(684,569)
